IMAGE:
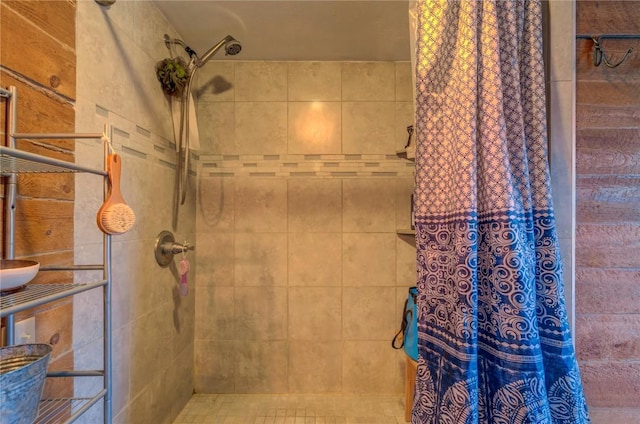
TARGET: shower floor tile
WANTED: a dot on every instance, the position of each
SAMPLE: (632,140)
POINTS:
(328,409)
(292,409)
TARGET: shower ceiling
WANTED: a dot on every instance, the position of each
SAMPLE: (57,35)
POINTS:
(297,29)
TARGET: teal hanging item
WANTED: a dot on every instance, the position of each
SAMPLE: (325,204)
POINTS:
(408,326)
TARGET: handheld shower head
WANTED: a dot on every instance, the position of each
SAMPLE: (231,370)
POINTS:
(231,47)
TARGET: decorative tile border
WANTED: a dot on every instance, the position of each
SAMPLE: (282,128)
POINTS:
(324,166)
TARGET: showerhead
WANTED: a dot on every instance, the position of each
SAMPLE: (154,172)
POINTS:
(231,47)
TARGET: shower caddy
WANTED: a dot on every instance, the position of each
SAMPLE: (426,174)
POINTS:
(15,161)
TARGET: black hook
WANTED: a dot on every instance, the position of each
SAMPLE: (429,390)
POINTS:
(599,56)
(410,131)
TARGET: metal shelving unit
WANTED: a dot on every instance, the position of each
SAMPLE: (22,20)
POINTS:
(12,162)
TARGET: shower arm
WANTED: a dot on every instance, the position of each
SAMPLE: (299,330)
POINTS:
(201,61)
(168,41)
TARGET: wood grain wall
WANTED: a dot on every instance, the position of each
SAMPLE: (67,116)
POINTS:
(608,206)
(37,55)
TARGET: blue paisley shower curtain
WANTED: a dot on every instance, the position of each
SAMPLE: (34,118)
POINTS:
(494,339)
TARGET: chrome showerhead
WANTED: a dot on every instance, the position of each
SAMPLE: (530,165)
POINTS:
(231,47)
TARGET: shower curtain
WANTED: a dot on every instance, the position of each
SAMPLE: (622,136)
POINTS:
(494,339)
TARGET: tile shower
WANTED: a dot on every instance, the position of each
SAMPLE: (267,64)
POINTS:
(311,198)
(300,271)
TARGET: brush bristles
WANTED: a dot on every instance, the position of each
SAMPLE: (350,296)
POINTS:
(118,219)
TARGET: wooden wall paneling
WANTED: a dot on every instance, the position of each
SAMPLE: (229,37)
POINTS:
(611,383)
(28,50)
(614,17)
(65,257)
(608,151)
(603,93)
(608,290)
(608,199)
(608,206)
(54,17)
(56,324)
(47,186)
(608,245)
(599,343)
(39,111)
(43,226)
(596,116)
(59,387)
(37,54)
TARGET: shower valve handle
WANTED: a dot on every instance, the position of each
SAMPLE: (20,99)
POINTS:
(166,246)
(175,248)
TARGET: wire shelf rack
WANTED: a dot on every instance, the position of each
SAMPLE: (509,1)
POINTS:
(37,294)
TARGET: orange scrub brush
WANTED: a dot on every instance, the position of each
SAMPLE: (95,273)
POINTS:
(115,216)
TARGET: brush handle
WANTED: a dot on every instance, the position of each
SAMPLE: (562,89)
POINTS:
(114,170)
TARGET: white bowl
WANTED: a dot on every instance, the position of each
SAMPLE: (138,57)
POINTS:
(15,273)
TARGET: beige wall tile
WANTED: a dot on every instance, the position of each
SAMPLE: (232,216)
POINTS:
(315,367)
(260,259)
(215,259)
(314,205)
(261,313)
(216,127)
(215,83)
(315,127)
(214,314)
(368,81)
(315,81)
(260,81)
(183,311)
(121,357)
(404,82)
(153,328)
(368,127)
(150,285)
(369,205)
(369,313)
(149,354)
(562,41)
(381,370)
(315,313)
(214,366)
(180,381)
(406,274)
(368,259)
(562,155)
(261,367)
(215,205)
(260,205)
(261,128)
(315,259)
(290,257)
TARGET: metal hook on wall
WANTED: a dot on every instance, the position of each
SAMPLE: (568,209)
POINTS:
(598,53)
